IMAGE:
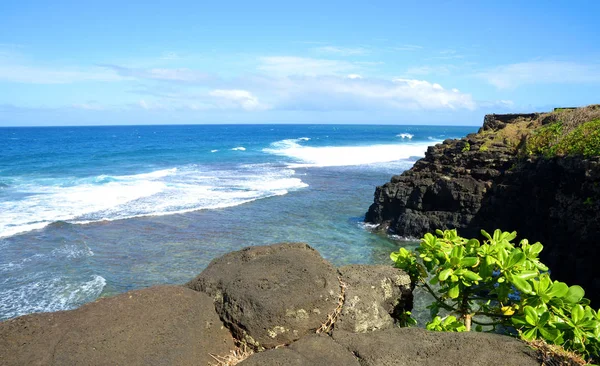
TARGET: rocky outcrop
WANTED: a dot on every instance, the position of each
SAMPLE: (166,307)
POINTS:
(278,285)
(480,182)
(271,295)
(163,325)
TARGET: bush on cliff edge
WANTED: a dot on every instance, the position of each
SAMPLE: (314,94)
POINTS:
(501,285)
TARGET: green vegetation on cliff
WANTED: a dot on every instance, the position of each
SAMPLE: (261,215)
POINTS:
(563,132)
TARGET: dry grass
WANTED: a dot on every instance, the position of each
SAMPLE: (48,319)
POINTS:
(571,118)
(331,318)
(552,355)
(233,358)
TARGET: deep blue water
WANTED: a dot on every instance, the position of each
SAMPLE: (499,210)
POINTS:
(93,211)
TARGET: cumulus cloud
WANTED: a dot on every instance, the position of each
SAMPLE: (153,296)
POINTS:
(342,93)
(236,98)
(541,72)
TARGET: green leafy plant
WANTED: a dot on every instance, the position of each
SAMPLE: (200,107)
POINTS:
(544,139)
(467,147)
(501,286)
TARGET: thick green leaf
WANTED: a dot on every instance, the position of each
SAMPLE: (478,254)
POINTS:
(531,316)
(454,291)
(472,276)
(550,334)
(536,248)
(574,295)
(485,234)
(520,284)
(558,289)
(531,334)
(577,313)
(526,275)
(515,258)
(443,276)
(469,261)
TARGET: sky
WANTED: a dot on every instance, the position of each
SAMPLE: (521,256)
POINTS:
(369,62)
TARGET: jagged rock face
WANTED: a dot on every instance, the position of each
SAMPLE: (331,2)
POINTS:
(271,295)
(461,185)
(443,190)
(162,325)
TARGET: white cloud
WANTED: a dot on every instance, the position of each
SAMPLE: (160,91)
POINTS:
(541,72)
(342,93)
(236,98)
(290,65)
(354,76)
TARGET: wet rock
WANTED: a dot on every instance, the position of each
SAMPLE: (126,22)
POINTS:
(374,296)
(271,295)
(163,325)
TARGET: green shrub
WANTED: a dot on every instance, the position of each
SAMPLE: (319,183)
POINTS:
(542,141)
(499,284)
(467,147)
(583,140)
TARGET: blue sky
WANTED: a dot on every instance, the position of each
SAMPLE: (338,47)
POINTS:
(380,62)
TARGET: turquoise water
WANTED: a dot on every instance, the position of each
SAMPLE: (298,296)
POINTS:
(92,211)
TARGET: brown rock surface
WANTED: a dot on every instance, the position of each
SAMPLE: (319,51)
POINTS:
(271,295)
(162,325)
(416,347)
(311,350)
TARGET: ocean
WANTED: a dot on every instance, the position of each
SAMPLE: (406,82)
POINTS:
(87,212)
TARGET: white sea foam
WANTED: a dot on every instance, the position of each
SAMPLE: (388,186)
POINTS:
(214,151)
(42,294)
(405,135)
(239,148)
(161,192)
(327,156)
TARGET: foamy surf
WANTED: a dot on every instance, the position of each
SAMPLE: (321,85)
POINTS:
(330,156)
(162,192)
(43,293)
(405,135)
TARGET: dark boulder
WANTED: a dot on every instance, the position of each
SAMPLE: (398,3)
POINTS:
(271,295)
(163,325)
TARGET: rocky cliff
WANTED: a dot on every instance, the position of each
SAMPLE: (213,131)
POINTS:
(491,180)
